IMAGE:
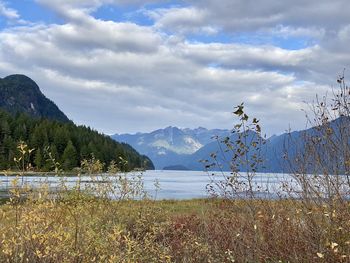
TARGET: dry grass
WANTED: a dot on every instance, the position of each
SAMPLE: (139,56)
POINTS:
(81,228)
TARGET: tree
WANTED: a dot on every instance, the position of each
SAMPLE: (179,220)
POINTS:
(38,159)
(60,139)
(69,157)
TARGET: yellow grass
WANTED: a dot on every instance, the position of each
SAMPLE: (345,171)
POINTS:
(81,228)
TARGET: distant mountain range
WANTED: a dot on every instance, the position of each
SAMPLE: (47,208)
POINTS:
(18,93)
(171,146)
(174,148)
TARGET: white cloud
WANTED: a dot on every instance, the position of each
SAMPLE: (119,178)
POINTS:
(175,18)
(245,56)
(7,12)
(67,7)
(238,15)
(125,77)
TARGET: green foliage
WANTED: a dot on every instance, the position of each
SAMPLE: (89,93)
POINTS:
(69,157)
(38,159)
(67,143)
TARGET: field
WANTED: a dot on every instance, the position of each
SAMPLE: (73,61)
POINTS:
(81,228)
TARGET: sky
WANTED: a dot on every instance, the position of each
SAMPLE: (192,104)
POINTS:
(126,66)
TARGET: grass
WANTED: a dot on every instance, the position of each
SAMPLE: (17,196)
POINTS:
(82,228)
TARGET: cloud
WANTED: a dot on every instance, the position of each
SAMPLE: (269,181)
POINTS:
(129,77)
(7,12)
(66,7)
(175,19)
(245,56)
(238,15)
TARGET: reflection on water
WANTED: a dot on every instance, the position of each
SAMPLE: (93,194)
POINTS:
(173,184)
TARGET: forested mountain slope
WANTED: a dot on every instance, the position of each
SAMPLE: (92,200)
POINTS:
(68,144)
(27,115)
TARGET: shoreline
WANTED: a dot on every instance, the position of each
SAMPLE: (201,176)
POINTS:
(32,173)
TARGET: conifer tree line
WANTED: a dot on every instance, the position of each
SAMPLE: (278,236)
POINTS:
(68,144)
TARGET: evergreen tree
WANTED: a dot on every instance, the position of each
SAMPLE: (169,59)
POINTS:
(69,157)
(38,159)
(60,139)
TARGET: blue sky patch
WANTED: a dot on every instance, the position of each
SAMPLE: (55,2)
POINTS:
(31,11)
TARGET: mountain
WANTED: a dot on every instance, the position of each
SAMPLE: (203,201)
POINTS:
(27,115)
(170,146)
(314,150)
(218,147)
(176,167)
(20,94)
(321,149)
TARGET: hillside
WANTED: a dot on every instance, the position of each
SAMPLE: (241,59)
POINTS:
(27,115)
(194,161)
(20,94)
(69,144)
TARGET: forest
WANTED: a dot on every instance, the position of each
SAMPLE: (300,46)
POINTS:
(63,142)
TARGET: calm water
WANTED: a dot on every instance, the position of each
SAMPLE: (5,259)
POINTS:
(173,184)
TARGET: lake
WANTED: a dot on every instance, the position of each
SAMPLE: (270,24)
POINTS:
(173,184)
